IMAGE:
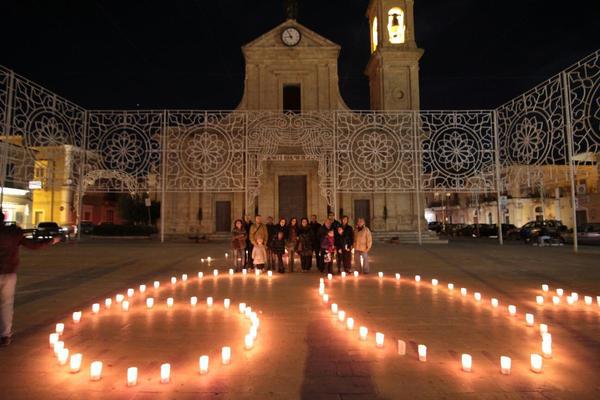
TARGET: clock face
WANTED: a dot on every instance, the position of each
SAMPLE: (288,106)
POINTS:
(290,36)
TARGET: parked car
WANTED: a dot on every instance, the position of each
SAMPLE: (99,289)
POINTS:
(533,229)
(49,230)
(87,227)
(586,234)
(435,226)
(478,230)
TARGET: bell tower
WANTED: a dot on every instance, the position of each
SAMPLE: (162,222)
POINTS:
(393,69)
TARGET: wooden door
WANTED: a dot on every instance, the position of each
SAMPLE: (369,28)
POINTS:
(223,216)
(362,209)
(292,196)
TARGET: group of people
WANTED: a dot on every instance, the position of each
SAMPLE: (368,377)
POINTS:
(264,245)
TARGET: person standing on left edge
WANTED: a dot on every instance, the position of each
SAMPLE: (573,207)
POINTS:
(11,238)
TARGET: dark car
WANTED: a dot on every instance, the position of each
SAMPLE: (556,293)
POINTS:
(534,229)
(87,227)
(586,234)
(435,226)
(478,230)
(47,231)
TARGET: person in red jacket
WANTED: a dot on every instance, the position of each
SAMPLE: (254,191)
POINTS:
(11,238)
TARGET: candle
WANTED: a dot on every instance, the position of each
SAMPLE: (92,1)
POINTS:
(149,303)
(379,338)
(401,347)
(244,271)
(422,350)
(575,296)
(200,275)
(560,292)
(343,274)
(52,339)
(451,286)
(329,276)
(334,308)
(380,274)
(125,305)
(325,298)
(536,363)
(397,276)
(184,277)
(269,273)
(108,303)
(170,302)
(494,302)
(257,272)
(130,292)
(341,315)
(505,363)
(209,259)
(321,290)
(477,296)
(226,304)
(156,284)
(75,363)
(231,271)
(95,308)
(173,280)
(356,274)
(96,370)
(202,259)
(58,346)
(215,272)
(132,374)
(417,278)
(545,288)
(60,328)
(598,300)
(467,362)
(203,364)
(543,329)
(555,300)
(242,307)
(588,300)
(119,298)
(321,281)
(570,300)
(193,301)
(63,356)
(529,319)
(539,300)
(248,341)
(512,310)
(226,355)
(363,332)
(463,291)
(209,301)
(226,255)
(254,331)
(77,316)
(434,282)
(547,345)
(350,323)
(165,373)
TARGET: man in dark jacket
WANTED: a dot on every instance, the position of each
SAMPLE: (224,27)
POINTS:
(344,239)
(11,238)
(323,231)
(249,247)
(271,232)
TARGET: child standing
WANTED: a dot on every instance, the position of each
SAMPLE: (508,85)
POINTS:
(328,248)
(259,254)
(278,250)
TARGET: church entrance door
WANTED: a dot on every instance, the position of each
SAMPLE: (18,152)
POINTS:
(223,216)
(292,196)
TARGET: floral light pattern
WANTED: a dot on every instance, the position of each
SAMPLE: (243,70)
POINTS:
(376,153)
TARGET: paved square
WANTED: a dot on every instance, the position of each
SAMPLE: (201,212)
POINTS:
(302,351)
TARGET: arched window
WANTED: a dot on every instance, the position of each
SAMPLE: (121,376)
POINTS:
(396,26)
(374,36)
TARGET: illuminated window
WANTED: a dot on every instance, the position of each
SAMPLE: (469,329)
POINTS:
(396,27)
(375,38)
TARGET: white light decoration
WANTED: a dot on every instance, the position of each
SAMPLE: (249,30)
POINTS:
(350,323)
(96,370)
(132,375)
(226,304)
(107,303)
(95,308)
(536,363)
(193,301)
(200,275)
(231,271)
(343,274)
(379,339)
(466,362)
(401,347)
(149,303)
(242,308)
(203,365)
(505,364)
(170,302)
(543,329)
(463,291)
(142,288)
(75,363)
(130,292)
(529,319)
(422,350)
(165,373)
(77,317)
(52,339)
(512,310)
(63,356)
(539,300)
(226,355)
(588,300)
(60,328)
(363,332)
(215,272)
(184,277)
(341,315)
(334,308)
(555,300)
(325,298)
(156,284)
(173,280)
(434,282)
(119,298)
(58,346)
(209,301)
(559,292)
(329,276)
(477,296)
(545,288)
(248,342)
(494,302)
(380,274)
(356,274)
(398,276)
(451,286)
(125,305)
(417,278)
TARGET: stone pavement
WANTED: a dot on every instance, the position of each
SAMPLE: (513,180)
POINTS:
(301,350)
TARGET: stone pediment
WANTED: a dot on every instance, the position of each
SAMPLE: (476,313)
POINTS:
(272,39)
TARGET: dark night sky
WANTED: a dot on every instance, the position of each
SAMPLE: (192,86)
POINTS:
(186,54)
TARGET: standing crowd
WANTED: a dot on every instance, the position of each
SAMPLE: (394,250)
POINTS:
(265,245)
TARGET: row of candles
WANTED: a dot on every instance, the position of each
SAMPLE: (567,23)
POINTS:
(536,360)
(559,293)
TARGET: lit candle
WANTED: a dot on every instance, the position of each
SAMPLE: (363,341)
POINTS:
(434,282)
(254,331)
(341,315)
(173,280)
(95,308)
(505,363)
(321,281)
(226,355)
(193,301)
(75,363)
(329,276)
(380,274)
(248,341)
(226,255)
(108,303)
(149,302)
(494,302)
(257,272)
(202,259)
(209,301)
(226,304)
(512,310)
(200,275)
(321,290)
(588,300)
(555,300)
(77,317)
(451,286)
(539,300)
(96,370)
(269,273)
(363,332)
(350,323)
(529,319)
(215,272)
(248,312)
(242,307)
(209,259)
(244,271)
(545,288)
(575,296)
(125,305)
(598,300)
(417,278)
(58,346)
(379,338)
(547,345)
(119,298)
(422,350)
(543,329)
(170,302)
(477,296)
(184,277)
(156,284)
(325,298)
(467,362)
(401,347)
(397,276)
(130,292)
(463,291)
(132,374)
(165,373)
(356,274)
(231,271)
(52,339)
(334,308)
(60,328)
(560,292)
(63,356)
(343,274)
(536,363)
(203,364)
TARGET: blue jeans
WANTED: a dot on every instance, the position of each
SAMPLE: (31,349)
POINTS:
(7,302)
(365,257)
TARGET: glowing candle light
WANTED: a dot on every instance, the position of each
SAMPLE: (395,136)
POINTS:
(200,275)
(380,274)
(356,274)
(350,323)
(494,302)
(269,273)
(173,280)
(321,290)
(156,284)
(570,300)
(539,300)
(417,278)
(142,288)
(125,305)
(203,364)
(170,302)
(401,347)
(226,304)
(325,298)
(108,303)
(209,259)
(334,308)
(248,312)
(559,292)
(363,332)
(329,276)
(588,300)
(545,288)
(226,255)
(434,282)
(77,317)
(149,303)
(95,308)
(60,328)
(575,296)
(75,363)
(254,331)
(130,292)
(165,373)
(321,281)
(341,315)
(193,301)
(202,259)
(477,296)
(242,307)
(63,356)
(536,363)
(451,286)
(215,272)
(248,341)
(119,298)
(379,338)
(58,346)
(467,362)
(556,300)
(505,364)
(343,274)
(244,271)
(226,355)
(52,339)
(543,329)
(529,319)
(132,375)
(422,350)
(512,310)
(257,272)
(96,370)
(231,271)
(209,301)
(397,276)
(547,345)
(598,300)
(184,277)
(463,291)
